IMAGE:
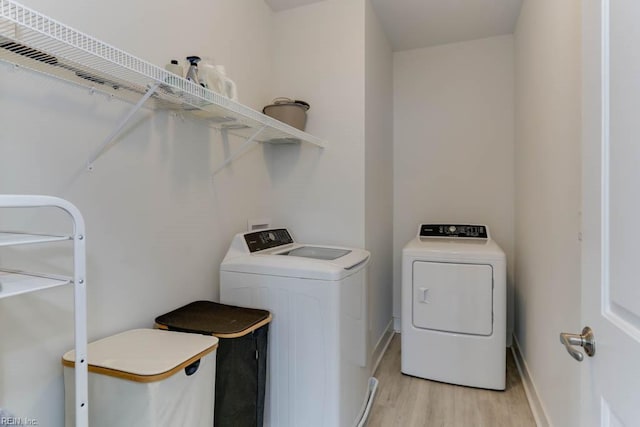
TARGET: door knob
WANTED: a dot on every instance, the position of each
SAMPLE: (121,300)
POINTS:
(585,340)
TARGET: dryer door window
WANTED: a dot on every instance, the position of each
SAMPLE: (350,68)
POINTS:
(452,297)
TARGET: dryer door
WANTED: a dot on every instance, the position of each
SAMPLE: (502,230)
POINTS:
(452,297)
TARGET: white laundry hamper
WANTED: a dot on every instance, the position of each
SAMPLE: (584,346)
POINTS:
(147,378)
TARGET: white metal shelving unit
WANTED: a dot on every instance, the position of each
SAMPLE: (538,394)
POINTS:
(35,41)
(14,282)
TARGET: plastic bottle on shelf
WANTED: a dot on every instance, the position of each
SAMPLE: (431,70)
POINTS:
(192,73)
(213,78)
(175,68)
(229,86)
(208,75)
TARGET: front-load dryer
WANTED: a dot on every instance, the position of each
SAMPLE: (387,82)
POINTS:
(454,306)
(318,370)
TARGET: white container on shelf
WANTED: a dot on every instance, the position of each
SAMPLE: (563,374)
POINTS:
(214,78)
(147,378)
(175,68)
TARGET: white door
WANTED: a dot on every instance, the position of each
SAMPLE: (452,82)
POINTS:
(451,297)
(611,211)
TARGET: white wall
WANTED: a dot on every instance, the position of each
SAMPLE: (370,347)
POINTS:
(454,141)
(548,70)
(378,173)
(334,55)
(157,224)
(318,57)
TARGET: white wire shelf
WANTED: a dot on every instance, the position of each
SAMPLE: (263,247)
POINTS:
(35,41)
(18,238)
(14,283)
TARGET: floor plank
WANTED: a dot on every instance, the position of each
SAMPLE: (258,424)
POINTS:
(405,401)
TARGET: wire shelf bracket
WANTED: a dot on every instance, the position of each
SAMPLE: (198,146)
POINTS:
(241,150)
(114,134)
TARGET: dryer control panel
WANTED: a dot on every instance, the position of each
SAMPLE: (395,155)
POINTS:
(267,239)
(465,231)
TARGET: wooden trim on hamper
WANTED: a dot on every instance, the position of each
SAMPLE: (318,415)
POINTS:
(242,333)
(246,331)
(143,378)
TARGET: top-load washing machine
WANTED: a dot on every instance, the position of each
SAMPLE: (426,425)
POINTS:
(318,371)
(454,306)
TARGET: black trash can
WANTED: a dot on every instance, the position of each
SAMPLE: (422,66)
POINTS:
(241,364)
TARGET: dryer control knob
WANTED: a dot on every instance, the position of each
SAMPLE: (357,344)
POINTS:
(452,229)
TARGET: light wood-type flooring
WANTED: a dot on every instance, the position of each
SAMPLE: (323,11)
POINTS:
(406,401)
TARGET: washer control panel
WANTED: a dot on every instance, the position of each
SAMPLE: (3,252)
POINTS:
(267,239)
(465,231)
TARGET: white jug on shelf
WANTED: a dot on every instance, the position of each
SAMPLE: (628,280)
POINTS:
(213,77)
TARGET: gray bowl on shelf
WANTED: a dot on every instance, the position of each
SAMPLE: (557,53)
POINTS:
(291,112)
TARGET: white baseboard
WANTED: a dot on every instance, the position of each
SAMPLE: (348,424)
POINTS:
(396,324)
(539,414)
(381,346)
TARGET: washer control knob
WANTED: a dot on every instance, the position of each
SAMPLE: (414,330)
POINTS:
(452,229)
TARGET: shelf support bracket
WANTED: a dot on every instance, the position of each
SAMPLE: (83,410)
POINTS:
(243,149)
(112,136)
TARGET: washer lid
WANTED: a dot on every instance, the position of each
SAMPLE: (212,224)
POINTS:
(301,261)
(263,252)
(317,252)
